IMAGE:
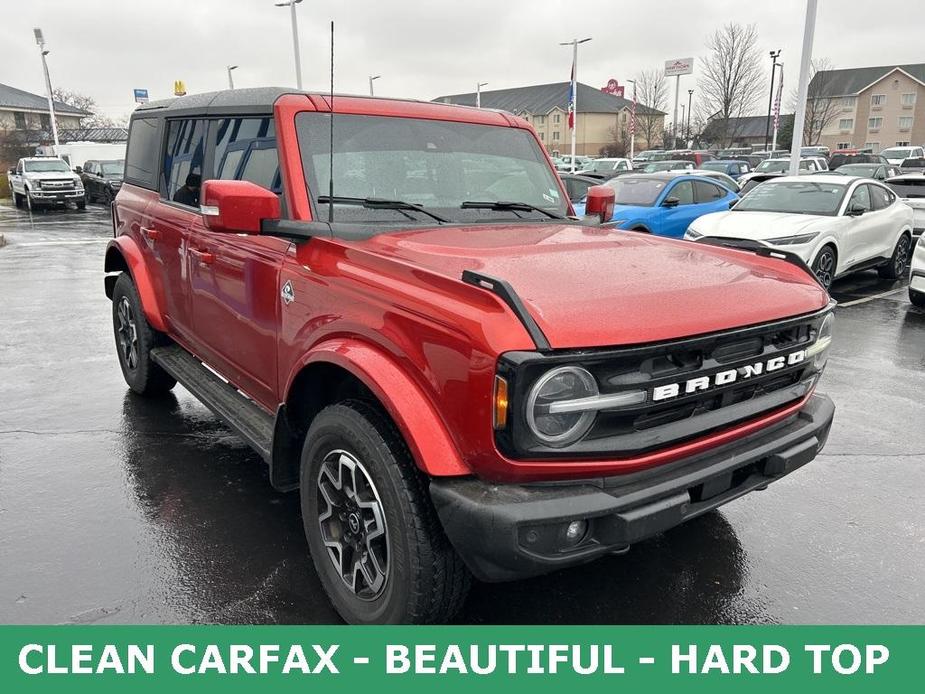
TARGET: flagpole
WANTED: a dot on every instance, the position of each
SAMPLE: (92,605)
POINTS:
(573,92)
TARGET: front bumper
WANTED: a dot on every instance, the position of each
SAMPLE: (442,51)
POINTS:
(507,532)
(56,195)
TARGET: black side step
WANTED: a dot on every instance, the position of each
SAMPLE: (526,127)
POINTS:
(248,419)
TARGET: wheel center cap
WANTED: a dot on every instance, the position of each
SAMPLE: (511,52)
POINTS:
(354,521)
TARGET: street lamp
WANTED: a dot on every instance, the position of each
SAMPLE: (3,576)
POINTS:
(371,78)
(40,41)
(295,38)
(478,93)
(767,126)
(690,96)
(573,92)
(230,80)
(682,127)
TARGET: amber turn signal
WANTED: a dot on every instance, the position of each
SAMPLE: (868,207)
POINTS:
(500,403)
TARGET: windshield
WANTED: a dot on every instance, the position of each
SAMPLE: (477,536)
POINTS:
(858,169)
(437,165)
(797,197)
(657,166)
(112,168)
(773,166)
(897,152)
(603,165)
(55,165)
(641,192)
(715,166)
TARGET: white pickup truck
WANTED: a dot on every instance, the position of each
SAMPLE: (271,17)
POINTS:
(38,181)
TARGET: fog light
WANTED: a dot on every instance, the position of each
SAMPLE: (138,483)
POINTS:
(575,532)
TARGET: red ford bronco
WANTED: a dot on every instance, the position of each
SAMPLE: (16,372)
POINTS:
(393,304)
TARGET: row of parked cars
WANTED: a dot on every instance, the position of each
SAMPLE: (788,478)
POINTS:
(844,212)
(48,181)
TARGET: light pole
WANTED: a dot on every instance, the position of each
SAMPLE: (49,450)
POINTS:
(799,118)
(633,123)
(371,78)
(767,126)
(682,128)
(295,38)
(40,40)
(478,93)
(573,92)
(690,96)
(230,80)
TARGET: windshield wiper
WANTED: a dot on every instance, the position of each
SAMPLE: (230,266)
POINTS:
(504,205)
(383,204)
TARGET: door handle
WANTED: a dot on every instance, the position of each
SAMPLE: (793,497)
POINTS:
(204,257)
(150,234)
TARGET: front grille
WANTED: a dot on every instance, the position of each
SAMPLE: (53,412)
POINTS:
(693,362)
(53,184)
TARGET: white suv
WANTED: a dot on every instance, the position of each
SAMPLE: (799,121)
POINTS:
(917,280)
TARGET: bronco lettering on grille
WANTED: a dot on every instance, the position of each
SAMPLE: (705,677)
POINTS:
(723,378)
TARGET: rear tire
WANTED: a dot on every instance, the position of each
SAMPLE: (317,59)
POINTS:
(899,262)
(375,541)
(135,339)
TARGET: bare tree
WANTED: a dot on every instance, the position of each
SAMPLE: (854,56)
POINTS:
(731,80)
(651,91)
(85,103)
(822,107)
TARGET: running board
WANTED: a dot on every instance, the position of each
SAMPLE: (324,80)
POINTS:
(242,414)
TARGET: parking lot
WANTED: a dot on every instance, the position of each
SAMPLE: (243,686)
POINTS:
(115,509)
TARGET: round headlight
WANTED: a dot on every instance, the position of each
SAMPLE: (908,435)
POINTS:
(560,428)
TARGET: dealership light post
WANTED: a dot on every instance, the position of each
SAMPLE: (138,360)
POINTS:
(372,78)
(295,38)
(230,79)
(633,123)
(573,92)
(767,126)
(478,93)
(799,118)
(40,40)
(690,97)
(780,93)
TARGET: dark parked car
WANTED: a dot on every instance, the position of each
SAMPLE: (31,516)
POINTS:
(839,159)
(731,167)
(102,179)
(698,157)
(879,172)
(577,186)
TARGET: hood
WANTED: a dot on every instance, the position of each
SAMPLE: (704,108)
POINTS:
(759,226)
(593,287)
(896,162)
(42,175)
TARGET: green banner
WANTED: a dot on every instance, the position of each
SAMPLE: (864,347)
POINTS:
(177,659)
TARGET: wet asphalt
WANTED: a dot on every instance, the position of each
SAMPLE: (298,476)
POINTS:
(116,509)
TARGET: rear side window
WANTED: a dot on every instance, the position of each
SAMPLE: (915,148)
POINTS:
(880,197)
(245,149)
(683,191)
(707,192)
(141,160)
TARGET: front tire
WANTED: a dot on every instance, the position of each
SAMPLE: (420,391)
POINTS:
(135,339)
(824,266)
(373,533)
(17,200)
(899,261)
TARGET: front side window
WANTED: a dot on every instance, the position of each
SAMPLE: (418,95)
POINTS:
(245,149)
(860,199)
(797,197)
(182,172)
(683,191)
(441,166)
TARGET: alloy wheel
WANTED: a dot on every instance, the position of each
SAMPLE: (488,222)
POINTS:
(901,256)
(824,267)
(127,333)
(352,523)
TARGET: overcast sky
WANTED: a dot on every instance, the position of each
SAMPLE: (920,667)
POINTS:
(422,48)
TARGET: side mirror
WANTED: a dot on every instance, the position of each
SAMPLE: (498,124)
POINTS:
(78,170)
(600,202)
(11,172)
(237,206)
(855,210)
(733,203)
(670,202)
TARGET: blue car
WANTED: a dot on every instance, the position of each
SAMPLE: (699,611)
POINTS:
(666,203)
(731,167)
